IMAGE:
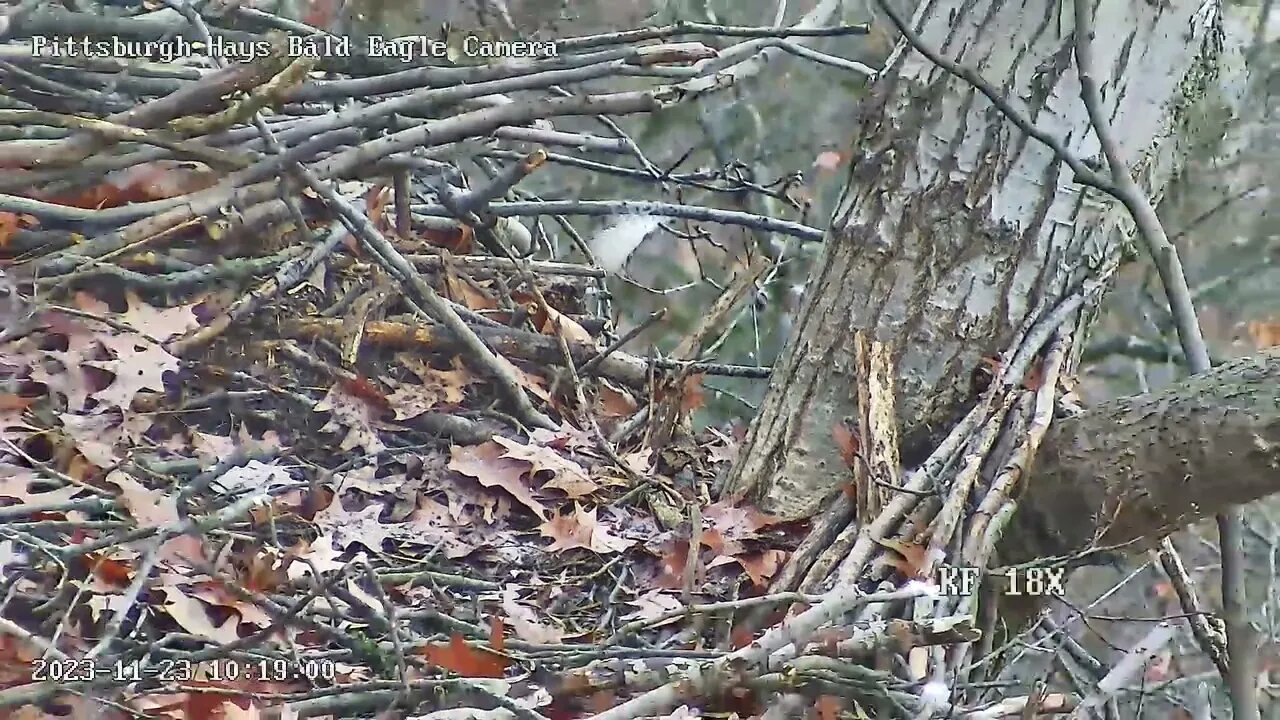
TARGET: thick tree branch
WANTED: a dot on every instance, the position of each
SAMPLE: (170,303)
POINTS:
(1132,470)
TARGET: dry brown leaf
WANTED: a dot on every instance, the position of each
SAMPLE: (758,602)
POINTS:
(613,402)
(21,485)
(10,402)
(410,401)
(828,160)
(847,442)
(253,474)
(525,621)
(375,203)
(95,436)
(761,566)
(215,593)
(149,508)
(139,364)
(322,553)
(8,227)
(1264,333)
(73,379)
(158,323)
(447,385)
(553,320)
(362,526)
(737,520)
(907,557)
(115,572)
(459,657)
(692,397)
(489,464)
(580,529)
(653,605)
(193,617)
(466,292)
(570,477)
(230,710)
(673,560)
(350,412)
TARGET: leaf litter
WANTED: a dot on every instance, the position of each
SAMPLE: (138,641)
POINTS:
(501,550)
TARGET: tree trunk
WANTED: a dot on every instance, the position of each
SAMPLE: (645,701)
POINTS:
(957,233)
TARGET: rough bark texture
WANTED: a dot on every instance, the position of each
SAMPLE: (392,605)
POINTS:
(956,230)
(1138,468)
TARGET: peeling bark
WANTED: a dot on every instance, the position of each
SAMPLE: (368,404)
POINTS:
(957,232)
(876,469)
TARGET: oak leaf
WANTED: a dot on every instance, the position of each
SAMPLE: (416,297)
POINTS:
(193,616)
(580,529)
(139,364)
(569,475)
(350,412)
(761,566)
(149,508)
(909,558)
(489,464)
(459,657)
(525,621)
(158,323)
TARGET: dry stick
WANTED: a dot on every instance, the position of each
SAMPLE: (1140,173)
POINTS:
(635,626)
(164,534)
(431,134)
(187,149)
(705,677)
(698,28)
(435,78)
(266,95)
(423,100)
(401,187)
(393,624)
(1240,650)
(590,365)
(948,518)
(288,276)
(1184,587)
(745,59)
(469,204)
(435,306)
(998,504)
(923,479)
(439,309)
(208,89)
(602,208)
(855,546)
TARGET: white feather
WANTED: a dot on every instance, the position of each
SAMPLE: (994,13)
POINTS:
(935,693)
(613,245)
